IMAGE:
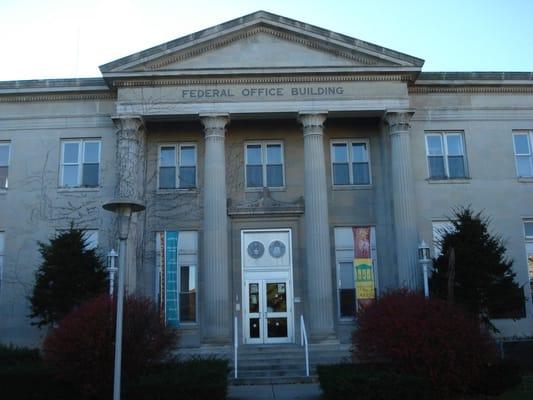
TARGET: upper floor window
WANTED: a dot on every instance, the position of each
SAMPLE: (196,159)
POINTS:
(177,166)
(4,164)
(264,165)
(446,155)
(350,162)
(523,141)
(80,163)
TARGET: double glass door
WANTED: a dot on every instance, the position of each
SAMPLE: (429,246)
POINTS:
(268,311)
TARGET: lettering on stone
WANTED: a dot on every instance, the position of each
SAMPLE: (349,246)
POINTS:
(261,92)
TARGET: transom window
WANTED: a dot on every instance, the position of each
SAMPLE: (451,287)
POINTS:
(523,141)
(446,156)
(350,162)
(4,164)
(264,164)
(80,163)
(177,166)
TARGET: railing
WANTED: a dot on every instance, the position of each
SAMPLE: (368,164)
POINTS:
(304,342)
(235,345)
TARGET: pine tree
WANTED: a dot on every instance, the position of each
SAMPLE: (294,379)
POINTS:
(69,275)
(483,280)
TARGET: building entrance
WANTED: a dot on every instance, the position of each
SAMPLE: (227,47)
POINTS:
(267,287)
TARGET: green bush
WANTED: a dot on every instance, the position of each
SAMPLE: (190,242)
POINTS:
(370,382)
(23,376)
(195,379)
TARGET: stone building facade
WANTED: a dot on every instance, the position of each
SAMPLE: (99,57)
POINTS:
(257,146)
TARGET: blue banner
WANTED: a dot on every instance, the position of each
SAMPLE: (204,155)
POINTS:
(171,278)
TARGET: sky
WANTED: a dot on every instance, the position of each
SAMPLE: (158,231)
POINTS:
(70,38)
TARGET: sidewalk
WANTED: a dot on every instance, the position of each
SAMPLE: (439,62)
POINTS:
(305,391)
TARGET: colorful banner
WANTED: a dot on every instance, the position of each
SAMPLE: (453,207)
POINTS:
(363,270)
(171,278)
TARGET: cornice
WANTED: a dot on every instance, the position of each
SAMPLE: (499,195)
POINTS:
(260,80)
(281,34)
(416,89)
(56,97)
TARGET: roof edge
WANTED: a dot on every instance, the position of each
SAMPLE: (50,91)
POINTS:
(54,85)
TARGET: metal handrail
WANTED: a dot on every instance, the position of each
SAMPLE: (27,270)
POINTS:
(303,338)
(235,345)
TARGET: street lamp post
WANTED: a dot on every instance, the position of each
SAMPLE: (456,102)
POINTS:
(112,269)
(425,260)
(124,209)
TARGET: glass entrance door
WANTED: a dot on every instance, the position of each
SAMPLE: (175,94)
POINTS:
(267,311)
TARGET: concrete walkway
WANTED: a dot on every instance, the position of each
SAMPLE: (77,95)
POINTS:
(304,391)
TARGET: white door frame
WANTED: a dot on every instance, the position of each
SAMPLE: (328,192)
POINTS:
(264,275)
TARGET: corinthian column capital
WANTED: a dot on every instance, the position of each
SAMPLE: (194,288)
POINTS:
(128,124)
(214,124)
(398,121)
(312,123)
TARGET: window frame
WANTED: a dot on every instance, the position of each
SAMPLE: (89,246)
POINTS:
(445,154)
(528,244)
(529,136)
(349,150)
(80,162)
(2,256)
(177,165)
(264,163)
(6,143)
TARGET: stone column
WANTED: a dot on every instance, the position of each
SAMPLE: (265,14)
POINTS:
(317,238)
(403,196)
(216,323)
(130,162)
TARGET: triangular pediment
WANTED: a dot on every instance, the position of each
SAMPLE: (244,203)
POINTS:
(260,42)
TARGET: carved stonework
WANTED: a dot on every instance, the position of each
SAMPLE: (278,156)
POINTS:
(313,123)
(398,121)
(214,125)
(130,157)
(265,204)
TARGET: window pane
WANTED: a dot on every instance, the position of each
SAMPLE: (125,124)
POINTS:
(341,174)
(187,177)
(340,154)
(347,303)
(456,167)
(521,144)
(254,176)
(70,154)
(4,154)
(3,177)
(455,147)
(434,145)
(361,174)
(188,156)
(528,227)
(70,175)
(273,154)
(359,152)
(90,175)
(436,167)
(188,307)
(187,279)
(274,175)
(523,164)
(91,153)
(168,157)
(253,154)
(346,271)
(167,177)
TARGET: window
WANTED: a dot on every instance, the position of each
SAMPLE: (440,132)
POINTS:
(445,154)
(523,141)
(264,165)
(344,256)
(177,166)
(440,229)
(528,231)
(350,162)
(177,275)
(2,247)
(4,164)
(80,163)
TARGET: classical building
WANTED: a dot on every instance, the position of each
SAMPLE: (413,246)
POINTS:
(263,149)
